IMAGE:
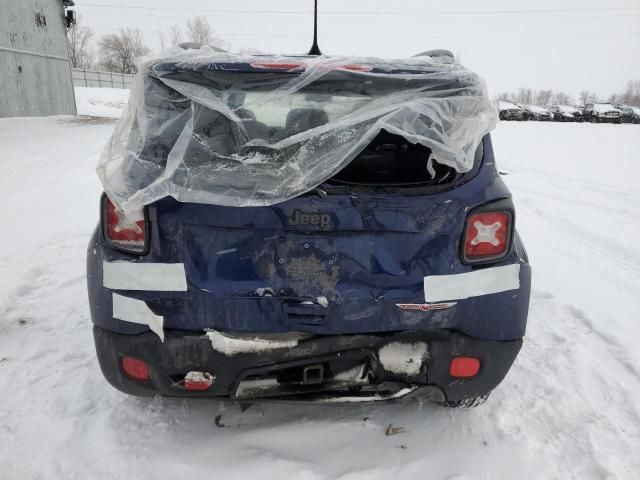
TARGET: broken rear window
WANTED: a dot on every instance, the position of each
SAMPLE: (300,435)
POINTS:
(208,127)
(390,160)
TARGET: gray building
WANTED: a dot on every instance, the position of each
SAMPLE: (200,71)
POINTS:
(35,72)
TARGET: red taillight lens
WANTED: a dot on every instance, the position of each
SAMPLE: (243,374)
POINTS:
(135,368)
(464,367)
(279,65)
(487,235)
(122,231)
(356,68)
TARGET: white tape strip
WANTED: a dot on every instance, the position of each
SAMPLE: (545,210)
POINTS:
(161,277)
(136,311)
(438,288)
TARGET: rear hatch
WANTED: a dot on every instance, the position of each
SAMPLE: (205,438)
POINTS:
(343,258)
(314,201)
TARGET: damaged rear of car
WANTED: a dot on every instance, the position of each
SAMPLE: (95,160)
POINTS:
(309,228)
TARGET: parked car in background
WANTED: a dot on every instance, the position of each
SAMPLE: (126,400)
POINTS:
(628,114)
(534,112)
(509,111)
(602,113)
(566,113)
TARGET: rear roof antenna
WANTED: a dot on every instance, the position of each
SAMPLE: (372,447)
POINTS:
(315,50)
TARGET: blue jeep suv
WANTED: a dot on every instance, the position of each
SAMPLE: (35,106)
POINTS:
(387,272)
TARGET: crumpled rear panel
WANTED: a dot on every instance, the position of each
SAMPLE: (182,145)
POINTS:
(222,129)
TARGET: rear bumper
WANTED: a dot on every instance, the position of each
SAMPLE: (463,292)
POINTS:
(360,367)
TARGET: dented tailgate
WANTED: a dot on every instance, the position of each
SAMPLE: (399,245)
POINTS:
(324,264)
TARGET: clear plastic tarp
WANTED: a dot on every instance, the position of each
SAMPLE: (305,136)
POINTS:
(210,127)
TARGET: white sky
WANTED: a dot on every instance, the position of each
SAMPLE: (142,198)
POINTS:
(571,45)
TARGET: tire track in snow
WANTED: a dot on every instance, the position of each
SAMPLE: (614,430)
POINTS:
(568,409)
(572,382)
(603,253)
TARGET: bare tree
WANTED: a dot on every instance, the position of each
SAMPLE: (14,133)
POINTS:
(119,51)
(199,31)
(170,39)
(175,35)
(631,94)
(562,98)
(584,96)
(79,41)
(543,97)
(246,51)
(524,96)
(162,39)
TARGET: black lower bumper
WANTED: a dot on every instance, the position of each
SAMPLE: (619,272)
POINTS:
(331,367)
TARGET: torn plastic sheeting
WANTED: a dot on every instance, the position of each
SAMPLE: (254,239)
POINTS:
(209,127)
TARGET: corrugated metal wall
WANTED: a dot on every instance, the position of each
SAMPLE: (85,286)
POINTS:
(35,74)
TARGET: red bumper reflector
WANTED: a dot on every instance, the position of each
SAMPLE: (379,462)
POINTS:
(135,369)
(195,381)
(464,367)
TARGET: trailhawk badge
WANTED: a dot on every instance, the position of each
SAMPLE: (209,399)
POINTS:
(425,307)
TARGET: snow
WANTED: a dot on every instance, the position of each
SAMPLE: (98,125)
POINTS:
(568,109)
(604,108)
(537,109)
(232,345)
(504,105)
(322,301)
(352,376)
(255,387)
(101,102)
(567,409)
(403,358)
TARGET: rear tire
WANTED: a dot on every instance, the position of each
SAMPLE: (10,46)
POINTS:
(467,402)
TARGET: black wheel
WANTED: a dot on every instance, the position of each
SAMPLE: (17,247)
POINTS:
(466,403)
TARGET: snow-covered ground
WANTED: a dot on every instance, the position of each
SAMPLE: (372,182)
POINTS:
(568,409)
(101,102)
